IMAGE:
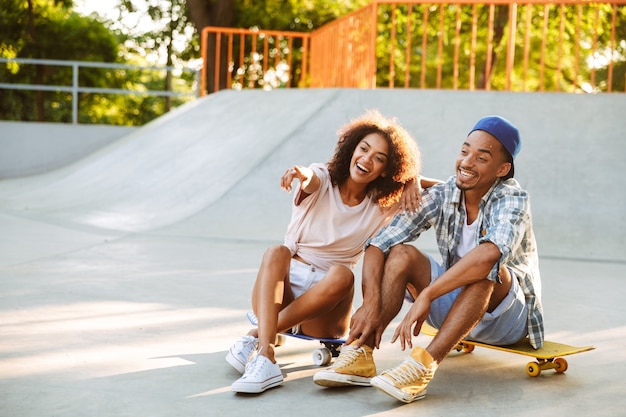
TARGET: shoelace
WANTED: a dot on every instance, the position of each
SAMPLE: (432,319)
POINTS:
(246,344)
(409,371)
(254,366)
(348,355)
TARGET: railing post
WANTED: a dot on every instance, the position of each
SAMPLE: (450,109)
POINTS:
(510,53)
(198,82)
(610,73)
(75,93)
(392,44)
(217,73)
(489,55)
(372,53)
(204,34)
(305,63)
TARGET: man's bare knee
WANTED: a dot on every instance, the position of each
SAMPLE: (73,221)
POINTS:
(407,256)
(400,254)
(409,262)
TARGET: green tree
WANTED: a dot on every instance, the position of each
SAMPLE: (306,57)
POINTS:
(47,30)
(171,35)
(292,15)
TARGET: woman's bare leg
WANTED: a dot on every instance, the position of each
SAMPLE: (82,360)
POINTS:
(270,293)
(324,310)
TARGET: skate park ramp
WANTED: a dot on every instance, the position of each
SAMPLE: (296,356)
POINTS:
(127,274)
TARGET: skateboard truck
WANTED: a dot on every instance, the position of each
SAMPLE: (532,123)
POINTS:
(321,356)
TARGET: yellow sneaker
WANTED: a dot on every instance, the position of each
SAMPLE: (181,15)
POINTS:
(408,381)
(352,367)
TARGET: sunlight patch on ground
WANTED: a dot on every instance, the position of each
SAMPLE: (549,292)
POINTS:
(106,338)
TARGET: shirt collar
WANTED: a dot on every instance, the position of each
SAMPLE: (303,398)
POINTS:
(457,195)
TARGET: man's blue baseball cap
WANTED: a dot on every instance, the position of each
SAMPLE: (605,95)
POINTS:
(503,130)
(506,133)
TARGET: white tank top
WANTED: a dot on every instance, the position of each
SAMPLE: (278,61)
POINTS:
(469,239)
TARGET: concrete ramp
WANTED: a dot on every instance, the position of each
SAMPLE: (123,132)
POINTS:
(211,168)
(172,168)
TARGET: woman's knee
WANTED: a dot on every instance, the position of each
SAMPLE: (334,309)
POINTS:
(274,265)
(276,252)
(341,277)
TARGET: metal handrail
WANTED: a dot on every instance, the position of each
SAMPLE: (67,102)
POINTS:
(75,89)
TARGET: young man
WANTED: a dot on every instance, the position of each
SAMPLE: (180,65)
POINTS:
(487,289)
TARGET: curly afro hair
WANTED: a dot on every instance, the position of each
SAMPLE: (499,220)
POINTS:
(403,163)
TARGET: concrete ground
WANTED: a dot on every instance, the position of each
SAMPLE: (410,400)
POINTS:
(125,276)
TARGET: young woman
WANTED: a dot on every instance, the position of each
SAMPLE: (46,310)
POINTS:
(307,282)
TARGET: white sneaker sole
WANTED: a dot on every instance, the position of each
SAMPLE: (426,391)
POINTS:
(257,387)
(388,388)
(235,363)
(334,379)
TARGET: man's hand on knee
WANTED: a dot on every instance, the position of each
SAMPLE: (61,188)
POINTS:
(365,328)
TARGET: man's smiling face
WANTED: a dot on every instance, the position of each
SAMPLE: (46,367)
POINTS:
(480,163)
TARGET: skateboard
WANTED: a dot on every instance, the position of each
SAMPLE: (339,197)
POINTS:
(548,357)
(321,356)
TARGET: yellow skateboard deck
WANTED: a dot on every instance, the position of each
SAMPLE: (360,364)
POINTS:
(548,357)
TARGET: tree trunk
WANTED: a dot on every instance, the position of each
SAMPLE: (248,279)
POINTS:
(170,51)
(39,70)
(213,13)
(500,21)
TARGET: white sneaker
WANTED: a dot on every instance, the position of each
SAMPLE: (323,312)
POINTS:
(261,374)
(239,353)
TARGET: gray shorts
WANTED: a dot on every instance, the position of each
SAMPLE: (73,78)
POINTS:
(505,325)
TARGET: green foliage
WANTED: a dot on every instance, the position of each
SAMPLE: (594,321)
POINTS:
(52,30)
(291,15)
(563,69)
(168,22)
(49,31)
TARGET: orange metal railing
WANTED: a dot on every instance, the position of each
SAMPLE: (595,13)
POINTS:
(342,52)
(535,45)
(519,47)
(250,58)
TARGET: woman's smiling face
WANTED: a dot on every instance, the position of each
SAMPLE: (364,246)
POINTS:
(369,160)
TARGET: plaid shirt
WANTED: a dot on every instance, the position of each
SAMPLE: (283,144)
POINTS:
(505,221)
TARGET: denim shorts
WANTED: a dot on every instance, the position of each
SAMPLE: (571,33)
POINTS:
(506,324)
(302,277)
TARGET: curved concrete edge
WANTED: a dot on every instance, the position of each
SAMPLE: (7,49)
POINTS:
(30,148)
